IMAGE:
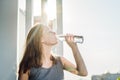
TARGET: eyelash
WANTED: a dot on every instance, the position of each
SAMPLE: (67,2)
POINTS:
(50,31)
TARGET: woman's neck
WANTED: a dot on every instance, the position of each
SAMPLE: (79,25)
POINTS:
(46,53)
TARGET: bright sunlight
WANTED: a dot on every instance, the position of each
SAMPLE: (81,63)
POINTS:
(50,9)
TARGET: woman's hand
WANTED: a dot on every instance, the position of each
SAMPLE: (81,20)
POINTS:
(69,38)
(81,68)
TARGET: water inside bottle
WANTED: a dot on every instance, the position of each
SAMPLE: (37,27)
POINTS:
(77,38)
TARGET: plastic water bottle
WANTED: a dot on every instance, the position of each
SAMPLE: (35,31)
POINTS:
(77,38)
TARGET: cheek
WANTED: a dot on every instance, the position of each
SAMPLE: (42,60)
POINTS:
(44,38)
(51,40)
(48,38)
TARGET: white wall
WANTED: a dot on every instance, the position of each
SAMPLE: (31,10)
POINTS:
(21,35)
(8,39)
(99,22)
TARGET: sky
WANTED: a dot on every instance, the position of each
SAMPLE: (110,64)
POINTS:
(99,22)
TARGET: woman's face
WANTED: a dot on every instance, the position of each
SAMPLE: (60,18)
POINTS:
(48,36)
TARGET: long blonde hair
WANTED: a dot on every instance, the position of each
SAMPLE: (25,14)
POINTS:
(33,50)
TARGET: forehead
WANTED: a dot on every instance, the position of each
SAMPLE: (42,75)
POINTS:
(46,28)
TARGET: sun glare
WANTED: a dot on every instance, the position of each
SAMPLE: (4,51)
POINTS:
(36,7)
(51,9)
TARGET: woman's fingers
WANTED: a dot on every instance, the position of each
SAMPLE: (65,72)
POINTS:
(69,37)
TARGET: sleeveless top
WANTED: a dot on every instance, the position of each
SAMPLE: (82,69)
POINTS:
(53,73)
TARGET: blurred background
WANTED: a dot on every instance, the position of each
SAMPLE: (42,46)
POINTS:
(98,21)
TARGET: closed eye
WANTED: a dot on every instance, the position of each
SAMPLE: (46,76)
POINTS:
(50,32)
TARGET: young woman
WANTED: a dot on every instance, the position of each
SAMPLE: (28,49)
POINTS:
(39,64)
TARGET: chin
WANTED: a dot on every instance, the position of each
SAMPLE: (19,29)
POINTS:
(55,43)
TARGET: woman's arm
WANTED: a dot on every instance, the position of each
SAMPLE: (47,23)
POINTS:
(80,68)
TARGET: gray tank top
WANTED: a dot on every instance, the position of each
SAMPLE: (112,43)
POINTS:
(53,73)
